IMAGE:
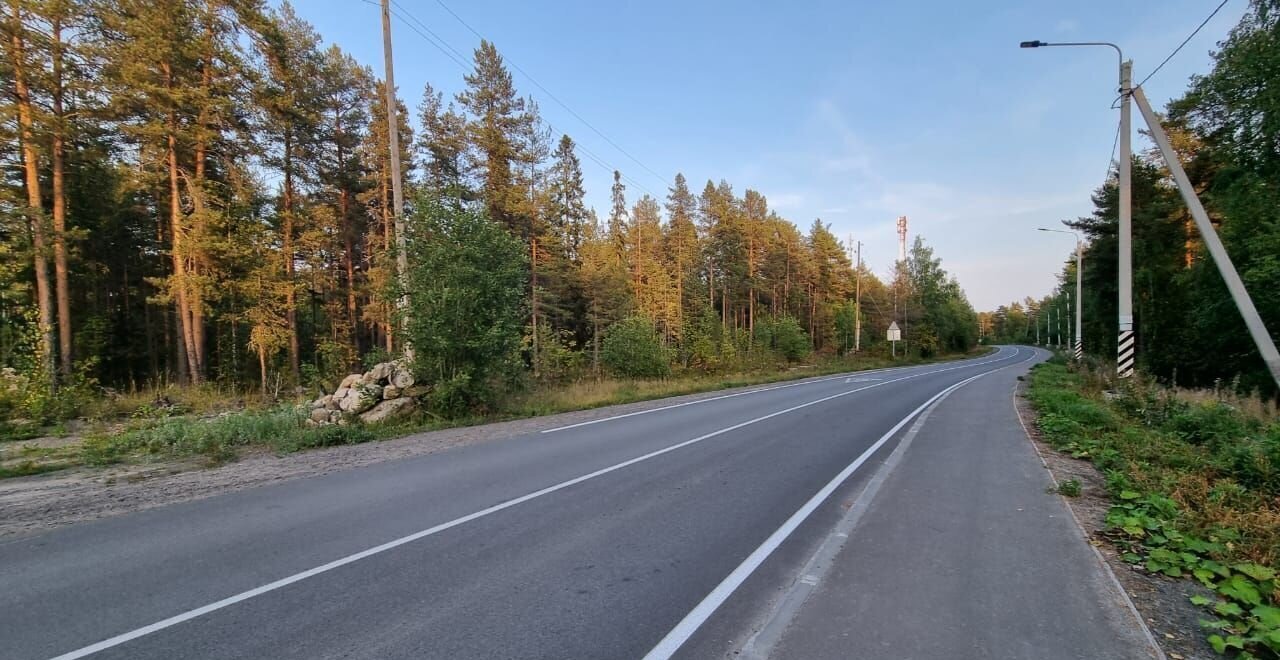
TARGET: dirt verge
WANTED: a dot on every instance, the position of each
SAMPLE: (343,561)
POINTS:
(1163,602)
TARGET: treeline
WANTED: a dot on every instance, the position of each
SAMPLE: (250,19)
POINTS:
(201,190)
(1226,129)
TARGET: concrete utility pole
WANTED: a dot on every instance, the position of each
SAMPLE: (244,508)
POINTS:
(1240,295)
(857,297)
(1078,345)
(1125,345)
(397,191)
(1125,340)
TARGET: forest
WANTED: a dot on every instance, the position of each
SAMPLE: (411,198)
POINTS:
(200,191)
(1226,130)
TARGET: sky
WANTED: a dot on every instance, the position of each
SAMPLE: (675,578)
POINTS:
(851,112)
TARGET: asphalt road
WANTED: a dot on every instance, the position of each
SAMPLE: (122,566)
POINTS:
(673,532)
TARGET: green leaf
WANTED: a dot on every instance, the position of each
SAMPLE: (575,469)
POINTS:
(1225,608)
(1205,576)
(1215,625)
(1200,600)
(1125,494)
(1219,569)
(1240,588)
(1267,615)
(1216,641)
(1259,573)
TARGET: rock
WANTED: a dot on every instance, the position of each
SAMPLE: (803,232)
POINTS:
(341,393)
(415,391)
(319,415)
(390,392)
(322,402)
(360,399)
(390,409)
(348,382)
(402,377)
(378,373)
(334,416)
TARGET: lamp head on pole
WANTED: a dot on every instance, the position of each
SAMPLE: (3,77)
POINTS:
(1032,44)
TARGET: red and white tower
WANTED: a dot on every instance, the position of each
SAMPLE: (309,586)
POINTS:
(902,238)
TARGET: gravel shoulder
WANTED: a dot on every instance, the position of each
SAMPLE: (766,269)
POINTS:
(1162,601)
(36,504)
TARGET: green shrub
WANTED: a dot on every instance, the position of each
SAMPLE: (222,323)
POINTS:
(633,349)
(784,336)
(466,305)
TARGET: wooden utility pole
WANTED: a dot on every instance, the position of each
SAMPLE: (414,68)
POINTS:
(857,304)
(397,189)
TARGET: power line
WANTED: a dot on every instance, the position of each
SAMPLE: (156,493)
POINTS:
(1184,41)
(1112,158)
(444,47)
(562,104)
(460,55)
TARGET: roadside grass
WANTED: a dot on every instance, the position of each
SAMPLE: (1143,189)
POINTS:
(282,429)
(216,425)
(1195,483)
(595,393)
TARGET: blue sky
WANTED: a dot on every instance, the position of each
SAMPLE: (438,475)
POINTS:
(853,112)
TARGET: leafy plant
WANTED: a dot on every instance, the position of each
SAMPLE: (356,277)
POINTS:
(1069,488)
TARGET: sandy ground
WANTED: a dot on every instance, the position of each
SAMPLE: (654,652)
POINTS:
(31,505)
(1162,601)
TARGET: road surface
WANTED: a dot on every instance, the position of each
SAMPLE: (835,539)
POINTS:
(682,531)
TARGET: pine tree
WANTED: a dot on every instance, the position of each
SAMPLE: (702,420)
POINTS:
(21,68)
(344,90)
(291,124)
(681,249)
(498,120)
(442,145)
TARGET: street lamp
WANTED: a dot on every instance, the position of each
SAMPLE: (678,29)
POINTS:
(1125,341)
(1078,348)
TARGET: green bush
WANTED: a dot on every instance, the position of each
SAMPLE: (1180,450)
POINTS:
(466,305)
(784,336)
(633,349)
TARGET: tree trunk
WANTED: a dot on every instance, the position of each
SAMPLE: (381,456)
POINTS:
(60,206)
(35,210)
(262,370)
(290,295)
(387,327)
(178,245)
(198,262)
(345,226)
(533,297)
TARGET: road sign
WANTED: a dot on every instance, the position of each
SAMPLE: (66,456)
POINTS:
(895,333)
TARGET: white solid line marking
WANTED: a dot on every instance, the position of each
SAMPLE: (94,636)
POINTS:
(999,350)
(338,563)
(704,609)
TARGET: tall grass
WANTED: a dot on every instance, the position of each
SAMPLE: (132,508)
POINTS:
(1215,454)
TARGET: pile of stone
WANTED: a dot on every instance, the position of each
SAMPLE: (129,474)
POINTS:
(387,391)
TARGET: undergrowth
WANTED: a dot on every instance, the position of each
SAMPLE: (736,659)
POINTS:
(1195,483)
(162,423)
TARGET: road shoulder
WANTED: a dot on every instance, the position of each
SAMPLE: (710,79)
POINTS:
(963,554)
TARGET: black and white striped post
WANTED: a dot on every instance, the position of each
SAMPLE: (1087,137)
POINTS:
(1125,354)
